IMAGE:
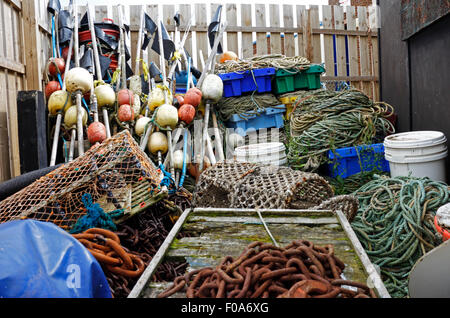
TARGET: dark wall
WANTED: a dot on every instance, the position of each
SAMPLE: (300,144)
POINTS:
(394,63)
(430,77)
(415,74)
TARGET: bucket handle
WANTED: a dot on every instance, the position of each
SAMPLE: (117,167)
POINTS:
(108,20)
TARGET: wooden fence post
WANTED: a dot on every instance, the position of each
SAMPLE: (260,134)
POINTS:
(31,46)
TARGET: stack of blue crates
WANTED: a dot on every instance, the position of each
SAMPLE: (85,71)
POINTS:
(258,81)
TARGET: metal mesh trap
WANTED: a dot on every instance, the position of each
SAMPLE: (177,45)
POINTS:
(110,172)
(249,185)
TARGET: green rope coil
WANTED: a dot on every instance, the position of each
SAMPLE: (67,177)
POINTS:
(395,224)
(327,120)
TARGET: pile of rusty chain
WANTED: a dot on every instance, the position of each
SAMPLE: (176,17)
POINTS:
(182,199)
(143,234)
(105,246)
(263,270)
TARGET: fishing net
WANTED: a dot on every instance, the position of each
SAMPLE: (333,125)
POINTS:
(249,185)
(117,174)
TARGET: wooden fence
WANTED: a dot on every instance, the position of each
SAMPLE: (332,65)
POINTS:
(339,37)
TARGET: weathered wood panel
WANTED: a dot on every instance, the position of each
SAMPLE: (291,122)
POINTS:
(247,39)
(261,37)
(201,37)
(232,37)
(275,37)
(289,40)
(216,234)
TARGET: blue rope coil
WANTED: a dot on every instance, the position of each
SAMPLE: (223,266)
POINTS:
(167,180)
(95,217)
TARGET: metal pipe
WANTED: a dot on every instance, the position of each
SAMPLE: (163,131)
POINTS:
(78,93)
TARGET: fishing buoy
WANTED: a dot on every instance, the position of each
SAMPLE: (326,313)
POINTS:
(56,66)
(179,100)
(59,100)
(193,97)
(51,87)
(156,98)
(186,113)
(70,117)
(65,53)
(178,159)
(167,116)
(79,79)
(137,104)
(96,132)
(125,96)
(125,113)
(228,56)
(158,143)
(194,168)
(212,88)
(141,123)
(105,95)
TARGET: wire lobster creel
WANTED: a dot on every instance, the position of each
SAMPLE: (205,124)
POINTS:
(250,185)
(108,172)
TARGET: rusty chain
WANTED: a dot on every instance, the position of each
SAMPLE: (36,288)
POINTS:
(105,246)
(299,270)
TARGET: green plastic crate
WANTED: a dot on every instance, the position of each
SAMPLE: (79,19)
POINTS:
(309,79)
(284,81)
(291,80)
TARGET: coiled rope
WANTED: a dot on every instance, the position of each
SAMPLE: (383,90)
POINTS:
(278,61)
(395,224)
(327,120)
(245,106)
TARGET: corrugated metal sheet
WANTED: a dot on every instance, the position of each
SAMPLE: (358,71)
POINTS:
(418,14)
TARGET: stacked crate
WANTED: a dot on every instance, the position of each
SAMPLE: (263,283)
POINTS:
(256,81)
(290,80)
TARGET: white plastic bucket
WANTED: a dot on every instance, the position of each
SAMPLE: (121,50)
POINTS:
(421,153)
(273,153)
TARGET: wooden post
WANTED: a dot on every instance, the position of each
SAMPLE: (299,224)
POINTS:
(247,40)
(289,43)
(232,37)
(32,46)
(275,37)
(261,37)
(352,45)
(328,40)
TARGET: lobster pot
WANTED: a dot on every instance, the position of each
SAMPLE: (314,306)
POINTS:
(250,185)
(108,172)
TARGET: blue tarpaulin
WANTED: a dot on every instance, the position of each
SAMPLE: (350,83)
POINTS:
(40,260)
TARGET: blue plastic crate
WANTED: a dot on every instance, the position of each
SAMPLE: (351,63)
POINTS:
(180,90)
(351,160)
(181,82)
(266,118)
(232,83)
(259,80)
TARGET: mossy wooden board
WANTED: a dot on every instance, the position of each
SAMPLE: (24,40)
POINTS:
(214,234)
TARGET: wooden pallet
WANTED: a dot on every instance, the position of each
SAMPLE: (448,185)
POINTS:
(215,233)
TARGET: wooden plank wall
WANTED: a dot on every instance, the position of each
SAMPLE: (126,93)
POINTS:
(338,37)
(12,74)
